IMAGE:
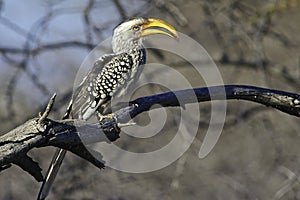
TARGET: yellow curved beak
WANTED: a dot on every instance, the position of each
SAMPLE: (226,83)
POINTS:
(150,28)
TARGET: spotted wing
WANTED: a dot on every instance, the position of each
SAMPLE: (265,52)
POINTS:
(107,76)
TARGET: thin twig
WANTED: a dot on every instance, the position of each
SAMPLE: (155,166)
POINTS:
(48,109)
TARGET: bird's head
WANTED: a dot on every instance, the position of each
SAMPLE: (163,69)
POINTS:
(128,35)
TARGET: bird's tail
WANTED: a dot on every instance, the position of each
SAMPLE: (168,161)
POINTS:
(54,165)
(51,173)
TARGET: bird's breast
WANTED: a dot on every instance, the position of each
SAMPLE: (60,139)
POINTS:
(133,73)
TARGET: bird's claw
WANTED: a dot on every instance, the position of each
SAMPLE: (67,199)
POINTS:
(108,116)
(120,125)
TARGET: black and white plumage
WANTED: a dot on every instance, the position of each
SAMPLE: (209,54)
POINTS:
(110,77)
(112,74)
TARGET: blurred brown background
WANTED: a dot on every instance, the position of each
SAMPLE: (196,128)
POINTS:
(43,43)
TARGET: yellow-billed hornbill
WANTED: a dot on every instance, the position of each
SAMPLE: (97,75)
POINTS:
(110,77)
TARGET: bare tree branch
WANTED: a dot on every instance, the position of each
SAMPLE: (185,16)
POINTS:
(120,9)
(72,134)
(46,47)
(86,19)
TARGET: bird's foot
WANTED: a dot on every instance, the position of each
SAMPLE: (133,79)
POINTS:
(112,116)
(108,116)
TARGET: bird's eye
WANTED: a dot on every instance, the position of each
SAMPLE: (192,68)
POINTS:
(136,28)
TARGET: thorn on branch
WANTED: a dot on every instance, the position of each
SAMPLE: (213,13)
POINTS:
(43,116)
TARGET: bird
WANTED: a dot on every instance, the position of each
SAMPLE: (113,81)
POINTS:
(110,77)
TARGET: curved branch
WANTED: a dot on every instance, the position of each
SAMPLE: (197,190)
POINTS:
(72,134)
(284,101)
